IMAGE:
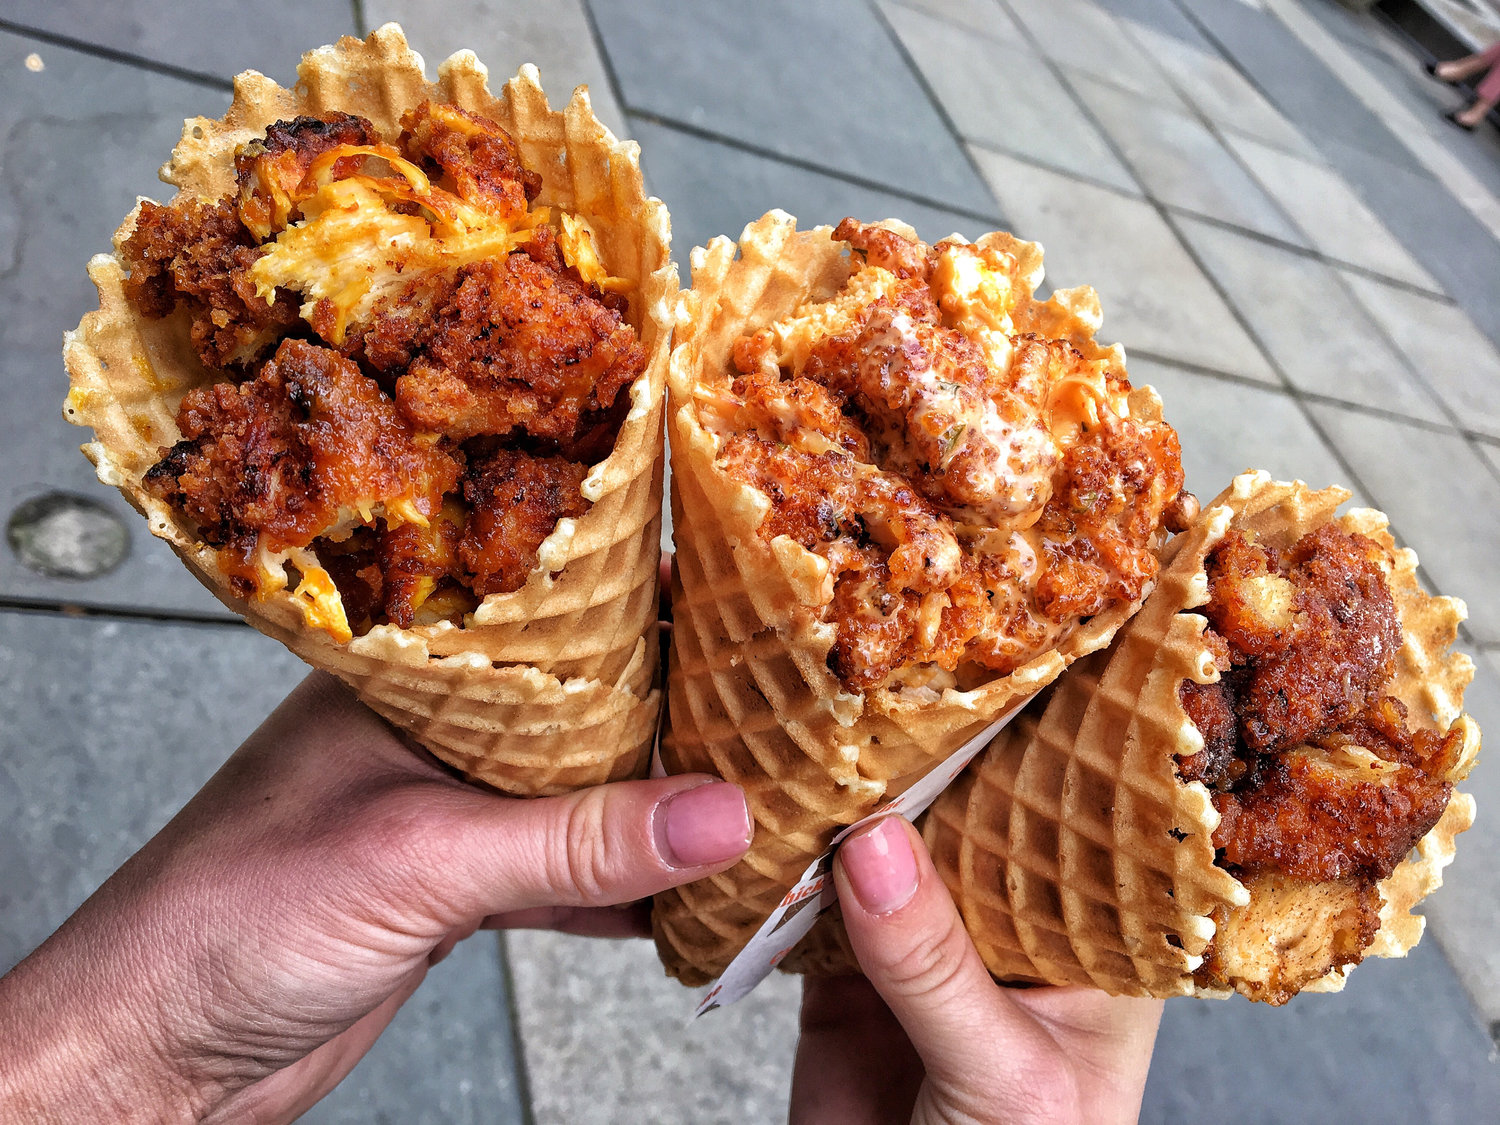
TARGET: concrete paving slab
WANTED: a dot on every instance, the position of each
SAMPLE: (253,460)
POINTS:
(1227,427)
(217,37)
(80,138)
(606,1039)
(1181,163)
(715,189)
(821,83)
(1443,346)
(1294,79)
(1441,498)
(1218,90)
(1491,456)
(1412,128)
(106,729)
(1082,37)
(1160,15)
(1007,98)
(448,1058)
(505,34)
(1311,324)
(1399,1044)
(1465,915)
(1398,71)
(1336,221)
(1155,298)
(987,17)
(1436,229)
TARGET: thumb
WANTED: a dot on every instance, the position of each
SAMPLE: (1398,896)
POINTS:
(597,847)
(979,1051)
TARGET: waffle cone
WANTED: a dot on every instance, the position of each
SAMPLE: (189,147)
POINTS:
(1075,853)
(545,689)
(751,697)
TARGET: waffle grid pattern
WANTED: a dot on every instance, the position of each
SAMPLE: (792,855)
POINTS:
(1075,853)
(471,695)
(751,696)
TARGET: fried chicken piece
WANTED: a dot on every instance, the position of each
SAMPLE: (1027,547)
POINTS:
(894,560)
(886,249)
(273,174)
(414,560)
(1382,729)
(1322,816)
(1099,525)
(1292,933)
(517,500)
(515,345)
(480,160)
(1322,788)
(199,255)
(1211,709)
(925,393)
(799,412)
(1249,600)
(307,446)
(1341,650)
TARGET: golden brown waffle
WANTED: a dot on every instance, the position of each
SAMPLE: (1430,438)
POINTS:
(751,696)
(545,689)
(1077,855)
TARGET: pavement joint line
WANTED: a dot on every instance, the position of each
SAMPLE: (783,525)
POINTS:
(1213,282)
(1310,252)
(514,1025)
(1219,131)
(601,48)
(1312,397)
(946,20)
(1081,177)
(1192,111)
(57,608)
(809,165)
(184,74)
(1469,436)
(932,98)
(361,21)
(1167,218)
(1408,129)
(1194,368)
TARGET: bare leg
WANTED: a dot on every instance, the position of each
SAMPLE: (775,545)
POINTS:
(1456,70)
(1487,95)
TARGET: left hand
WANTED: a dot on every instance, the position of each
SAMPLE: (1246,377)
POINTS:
(241,963)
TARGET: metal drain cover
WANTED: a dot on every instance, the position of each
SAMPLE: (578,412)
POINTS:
(64,535)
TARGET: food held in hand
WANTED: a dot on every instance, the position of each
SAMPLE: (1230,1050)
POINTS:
(405,438)
(906,495)
(387,373)
(1249,790)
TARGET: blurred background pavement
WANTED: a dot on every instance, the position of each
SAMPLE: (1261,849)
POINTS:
(1294,247)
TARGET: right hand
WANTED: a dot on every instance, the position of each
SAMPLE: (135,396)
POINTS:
(927,1036)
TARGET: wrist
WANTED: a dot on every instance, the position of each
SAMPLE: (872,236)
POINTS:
(76,1049)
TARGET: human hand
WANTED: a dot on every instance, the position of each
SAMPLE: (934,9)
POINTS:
(927,1037)
(242,962)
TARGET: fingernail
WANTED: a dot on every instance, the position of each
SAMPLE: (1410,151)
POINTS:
(706,824)
(881,866)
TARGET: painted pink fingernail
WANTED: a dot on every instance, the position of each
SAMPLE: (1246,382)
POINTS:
(706,824)
(881,866)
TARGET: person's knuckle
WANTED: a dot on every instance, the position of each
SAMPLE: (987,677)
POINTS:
(579,867)
(931,965)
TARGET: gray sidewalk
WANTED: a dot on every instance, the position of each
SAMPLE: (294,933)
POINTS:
(1293,247)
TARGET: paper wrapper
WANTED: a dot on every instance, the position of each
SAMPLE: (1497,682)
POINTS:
(543,690)
(1077,856)
(751,697)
